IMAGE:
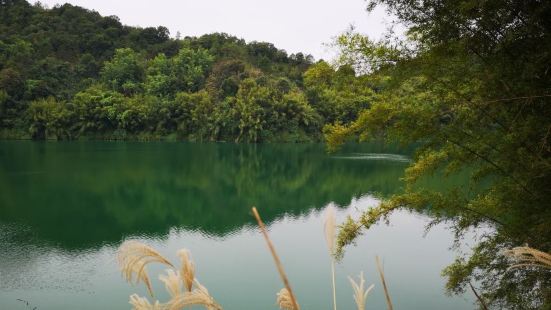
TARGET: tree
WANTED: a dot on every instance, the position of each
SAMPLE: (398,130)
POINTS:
(190,68)
(338,95)
(125,72)
(184,72)
(473,95)
(160,80)
(225,77)
(50,118)
(196,123)
(266,113)
(99,109)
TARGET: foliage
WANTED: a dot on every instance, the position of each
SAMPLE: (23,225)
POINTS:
(127,82)
(338,95)
(261,105)
(124,73)
(50,117)
(474,95)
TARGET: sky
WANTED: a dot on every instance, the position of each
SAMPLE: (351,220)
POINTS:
(293,25)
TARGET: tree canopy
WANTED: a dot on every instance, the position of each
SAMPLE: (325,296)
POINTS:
(67,72)
(471,86)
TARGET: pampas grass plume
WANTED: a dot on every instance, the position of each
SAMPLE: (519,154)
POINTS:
(141,303)
(172,282)
(330,227)
(187,270)
(360,294)
(529,257)
(199,296)
(133,257)
(284,300)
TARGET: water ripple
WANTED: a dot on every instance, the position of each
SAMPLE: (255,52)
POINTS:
(375,156)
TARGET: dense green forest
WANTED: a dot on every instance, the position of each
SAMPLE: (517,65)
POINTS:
(68,73)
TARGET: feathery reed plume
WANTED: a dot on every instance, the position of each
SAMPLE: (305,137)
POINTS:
(382,274)
(360,295)
(133,257)
(284,300)
(199,296)
(172,282)
(187,270)
(330,226)
(276,259)
(141,303)
(529,257)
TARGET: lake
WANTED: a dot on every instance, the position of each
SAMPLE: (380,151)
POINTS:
(65,207)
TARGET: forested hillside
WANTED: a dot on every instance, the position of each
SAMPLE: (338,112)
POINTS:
(69,73)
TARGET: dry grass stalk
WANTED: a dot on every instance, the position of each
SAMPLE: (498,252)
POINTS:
(360,294)
(382,274)
(284,300)
(276,259)
(529,257)
(133,257)
(172,282)
(188,269)
(330,227)
(199,296)
(141,303)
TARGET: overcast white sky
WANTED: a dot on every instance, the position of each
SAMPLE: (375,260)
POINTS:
(293,25)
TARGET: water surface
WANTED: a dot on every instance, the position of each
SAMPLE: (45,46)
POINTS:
(66,207)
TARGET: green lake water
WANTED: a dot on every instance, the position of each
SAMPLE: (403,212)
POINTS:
(66,207)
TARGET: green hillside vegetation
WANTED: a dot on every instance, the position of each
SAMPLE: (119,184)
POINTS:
(69,73)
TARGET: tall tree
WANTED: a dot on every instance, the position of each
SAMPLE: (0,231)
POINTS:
(472,89)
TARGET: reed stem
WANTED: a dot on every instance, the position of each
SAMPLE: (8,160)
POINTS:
(381,273)
(278,263)
(334,287)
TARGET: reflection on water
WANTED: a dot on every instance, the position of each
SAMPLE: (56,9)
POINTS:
(84,195)
(65,207)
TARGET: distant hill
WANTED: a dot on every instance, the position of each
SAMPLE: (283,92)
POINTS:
(68,72)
